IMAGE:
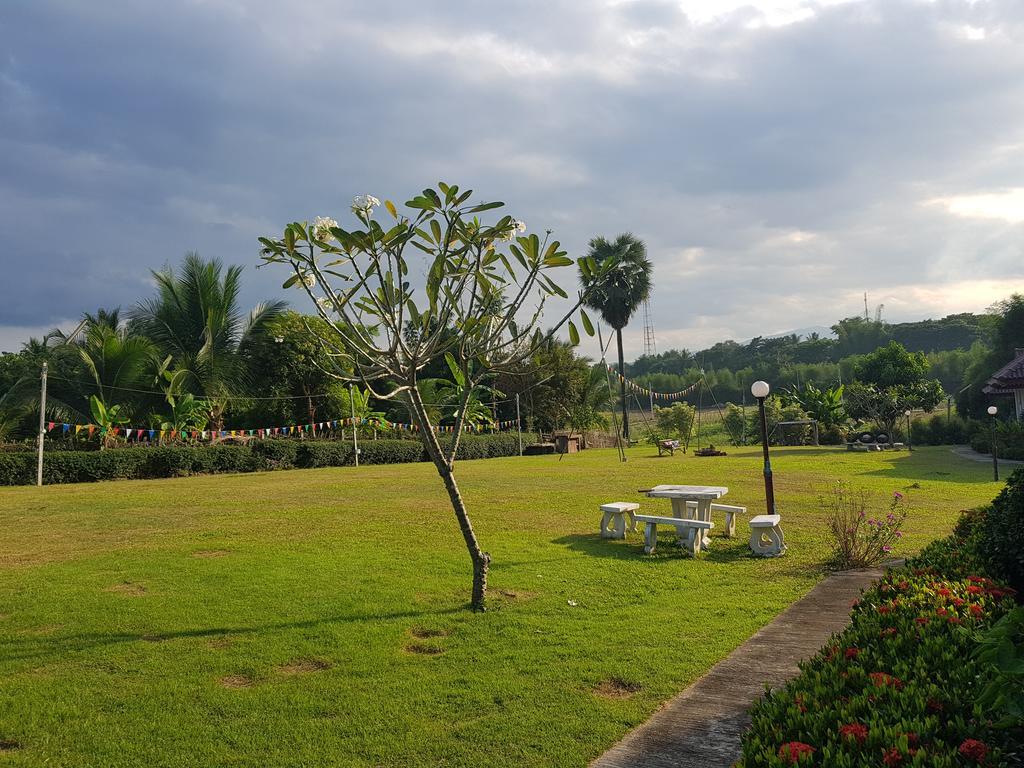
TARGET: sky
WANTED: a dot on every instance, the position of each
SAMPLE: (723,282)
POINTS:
(779,158)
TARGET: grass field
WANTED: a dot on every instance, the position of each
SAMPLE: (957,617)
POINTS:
(317,617)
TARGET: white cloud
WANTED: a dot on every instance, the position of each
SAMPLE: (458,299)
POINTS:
(1006,205)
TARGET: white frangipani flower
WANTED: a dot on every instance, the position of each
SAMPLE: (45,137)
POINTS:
(364,204)
(515,228)
(325,304)
(322,227)
(309,279)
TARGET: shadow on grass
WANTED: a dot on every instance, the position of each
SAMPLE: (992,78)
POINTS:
(35,648)
(723,550)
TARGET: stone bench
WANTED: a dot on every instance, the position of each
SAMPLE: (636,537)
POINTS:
(730,514)
(613,519)
(766,539)
(688,531)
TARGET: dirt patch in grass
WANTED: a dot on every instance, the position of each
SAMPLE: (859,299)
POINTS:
(220,643)
(210,553)
(237,681)
(304,666)
(423,649)
(129,588)
(424,633)
(616,688)
(44,629)
(155,638)
(9,745)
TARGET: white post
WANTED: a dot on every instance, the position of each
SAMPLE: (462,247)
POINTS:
(355,429)
(519,426)
(42,426)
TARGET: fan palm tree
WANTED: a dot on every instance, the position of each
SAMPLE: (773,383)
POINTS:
(620,292)
(195,319)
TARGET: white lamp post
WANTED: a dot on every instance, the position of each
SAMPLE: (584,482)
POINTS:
(760,390)
(910,444)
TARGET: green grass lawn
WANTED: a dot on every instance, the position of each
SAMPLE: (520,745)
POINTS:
(318,617)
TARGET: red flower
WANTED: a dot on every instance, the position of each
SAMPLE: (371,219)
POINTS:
(954,620)
(792,751)
(934,706)
(942,612)
(957,601)
(974,589)
(912,738)
(884,679)
(943,592)
(977,610)
(851,653)
(887,607)
(978,579)
(974,750)
(892,757)
(904,585)
(854,731)
(888,632)
(922,620)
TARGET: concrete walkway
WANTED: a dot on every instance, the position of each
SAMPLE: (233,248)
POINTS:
(966,452)
(702,726)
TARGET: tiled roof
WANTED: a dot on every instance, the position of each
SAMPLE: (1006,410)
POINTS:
(1007,378)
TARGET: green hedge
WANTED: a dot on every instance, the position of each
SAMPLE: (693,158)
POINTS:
(177,461)
(1001,542)
(897,687)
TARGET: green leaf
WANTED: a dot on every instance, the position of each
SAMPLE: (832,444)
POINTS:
(290,281)
(485,207)
(435,229)
(574,334)
(588,326)
(453,366)
(557,261)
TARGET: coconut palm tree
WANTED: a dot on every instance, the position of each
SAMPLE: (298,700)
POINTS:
(620,292)
(195,319)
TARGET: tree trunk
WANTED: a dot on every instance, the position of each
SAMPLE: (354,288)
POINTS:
(480,559)
(622,384)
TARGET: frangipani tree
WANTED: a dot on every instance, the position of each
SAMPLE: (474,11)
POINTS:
(384,291)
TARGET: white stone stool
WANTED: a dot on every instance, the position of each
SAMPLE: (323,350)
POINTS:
(615,513)
(766,539)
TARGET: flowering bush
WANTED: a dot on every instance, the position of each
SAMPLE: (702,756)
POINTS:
(859,538)
(896,688)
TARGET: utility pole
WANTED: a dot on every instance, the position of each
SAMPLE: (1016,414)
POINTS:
(355,429)
(42,426)
(519,426)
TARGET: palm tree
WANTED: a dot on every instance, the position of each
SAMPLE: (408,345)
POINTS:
(116,360)
(195,319)
(620,292)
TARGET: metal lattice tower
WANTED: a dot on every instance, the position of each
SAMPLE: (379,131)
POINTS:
(650,348)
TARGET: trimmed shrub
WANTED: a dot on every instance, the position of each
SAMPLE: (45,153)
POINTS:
(278,453)
(179,461)
(1002,541)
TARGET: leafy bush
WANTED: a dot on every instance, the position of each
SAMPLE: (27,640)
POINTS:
(279,453)
(179,461)
(1002,542)
(938,430)
(892,689)
(859,537)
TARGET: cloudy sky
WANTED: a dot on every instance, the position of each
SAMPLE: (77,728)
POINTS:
(779,158)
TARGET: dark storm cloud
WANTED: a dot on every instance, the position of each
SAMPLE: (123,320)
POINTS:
(787,167)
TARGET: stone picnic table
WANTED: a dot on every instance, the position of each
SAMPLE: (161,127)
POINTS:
(699,508)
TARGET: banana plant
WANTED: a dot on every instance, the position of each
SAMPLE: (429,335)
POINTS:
(107,418)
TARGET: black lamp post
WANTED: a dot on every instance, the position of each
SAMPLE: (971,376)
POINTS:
(760,390)
(910,444)
(992,410)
